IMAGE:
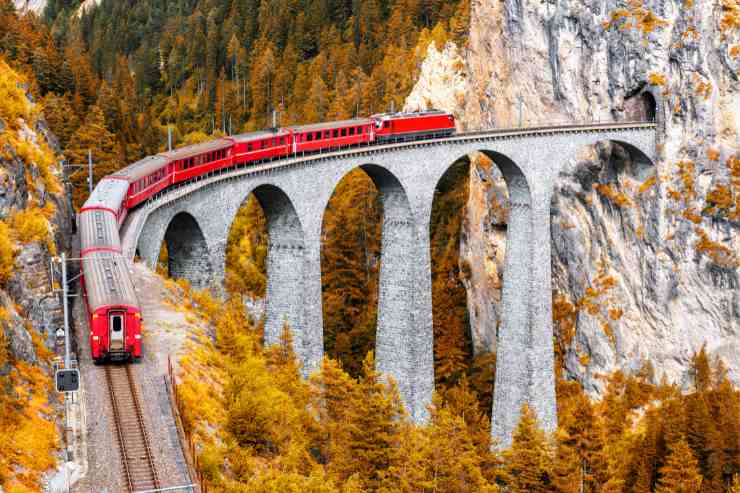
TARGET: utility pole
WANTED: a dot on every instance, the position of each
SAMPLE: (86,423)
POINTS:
(90,170)
(67,359)
(169,138)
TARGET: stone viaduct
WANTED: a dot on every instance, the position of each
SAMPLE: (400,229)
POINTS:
(195,220)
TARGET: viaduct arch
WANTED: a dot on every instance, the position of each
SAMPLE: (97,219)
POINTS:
(294,193)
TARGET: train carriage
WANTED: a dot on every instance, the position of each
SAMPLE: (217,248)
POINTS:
(408,126)
(144,178)
(259,146)
(115,317)
(195,160)
(109,195)
(332,135)
(98,232)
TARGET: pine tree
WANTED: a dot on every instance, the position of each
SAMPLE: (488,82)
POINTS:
(680,474)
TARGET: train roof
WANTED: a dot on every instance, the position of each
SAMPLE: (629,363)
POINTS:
(108,193)
(107,280)
(261,134)
(196,149)
(98,229)
(338,124)
(142,167)
(410,114)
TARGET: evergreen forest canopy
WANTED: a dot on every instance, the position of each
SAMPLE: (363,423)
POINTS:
(206,65)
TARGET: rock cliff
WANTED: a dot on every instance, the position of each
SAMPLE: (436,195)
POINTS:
(35,224)
(26,297)
(645,258)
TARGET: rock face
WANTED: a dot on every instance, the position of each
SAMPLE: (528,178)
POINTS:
(35,6)
(27,301)
(645,255)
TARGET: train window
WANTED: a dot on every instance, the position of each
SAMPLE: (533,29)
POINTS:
(318,135)
(386,124)
(336,132)
(327,134)
(310,136)
(249,147)
(351,130)
(344,132)
(360,130)
(116,322)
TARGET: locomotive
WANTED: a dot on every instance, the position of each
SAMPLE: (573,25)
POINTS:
(113,309)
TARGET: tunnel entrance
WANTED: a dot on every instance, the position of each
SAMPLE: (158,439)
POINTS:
(641,107)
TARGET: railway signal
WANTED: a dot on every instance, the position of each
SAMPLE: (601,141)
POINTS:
(67,380)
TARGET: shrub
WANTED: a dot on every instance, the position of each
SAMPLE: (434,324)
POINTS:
(6,253)
(30,225)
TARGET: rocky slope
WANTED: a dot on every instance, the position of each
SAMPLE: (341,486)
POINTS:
(35,6)
(645,259)
(36,222)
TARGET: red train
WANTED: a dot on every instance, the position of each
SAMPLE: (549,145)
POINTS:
(113,308)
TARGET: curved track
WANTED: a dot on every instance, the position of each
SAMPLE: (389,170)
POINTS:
(133,440)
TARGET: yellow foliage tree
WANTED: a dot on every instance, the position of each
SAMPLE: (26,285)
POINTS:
(7,256)
(680,474)
(528,464)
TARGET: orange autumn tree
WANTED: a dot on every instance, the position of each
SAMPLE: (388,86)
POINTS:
(528,463)
(680,474)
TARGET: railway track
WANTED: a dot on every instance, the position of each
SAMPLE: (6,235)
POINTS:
(133,441)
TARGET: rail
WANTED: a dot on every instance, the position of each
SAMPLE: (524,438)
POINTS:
(187,444)
(140,472)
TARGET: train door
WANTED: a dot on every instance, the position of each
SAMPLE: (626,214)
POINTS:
(117,330)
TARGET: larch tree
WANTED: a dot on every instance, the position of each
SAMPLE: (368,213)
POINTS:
(528,463)
(579,465)
(93,136)
(61,117)
(680,474)
(374,417)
